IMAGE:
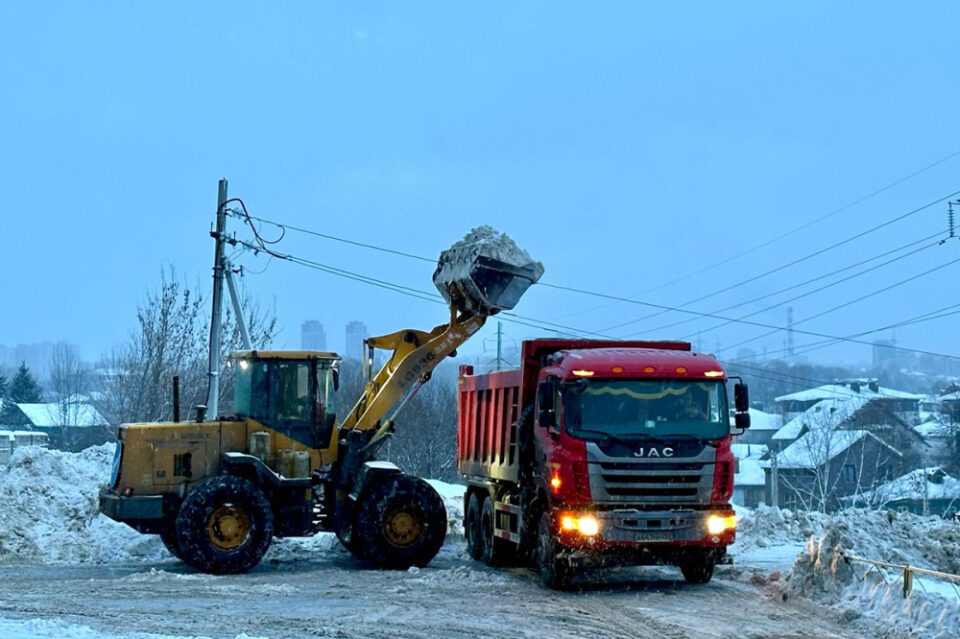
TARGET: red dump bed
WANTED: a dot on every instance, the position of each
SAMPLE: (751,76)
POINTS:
(487,424)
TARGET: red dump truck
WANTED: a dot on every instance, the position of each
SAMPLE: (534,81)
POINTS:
(598,453)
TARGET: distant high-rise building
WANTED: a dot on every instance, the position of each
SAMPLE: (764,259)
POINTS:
(353,346)
(312,337)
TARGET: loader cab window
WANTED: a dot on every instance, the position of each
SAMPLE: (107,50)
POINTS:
(293,397)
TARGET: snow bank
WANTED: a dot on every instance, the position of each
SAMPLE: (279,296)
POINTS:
(49,515)
(855,590)
(49,511)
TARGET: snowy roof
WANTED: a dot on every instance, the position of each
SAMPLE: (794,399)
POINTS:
(55,414)
(917,485)
(950,397)
(749,469)
(820,445)
(937,428)
(828,412)
(839,391)
(760,420)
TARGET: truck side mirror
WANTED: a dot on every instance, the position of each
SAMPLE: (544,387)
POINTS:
(742,420)
(546,408)
(741,398)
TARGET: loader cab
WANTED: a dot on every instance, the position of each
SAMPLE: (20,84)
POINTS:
(290,392)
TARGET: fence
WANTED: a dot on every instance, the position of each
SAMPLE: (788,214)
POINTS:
(908,573)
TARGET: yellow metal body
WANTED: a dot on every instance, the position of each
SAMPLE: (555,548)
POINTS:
(415,355)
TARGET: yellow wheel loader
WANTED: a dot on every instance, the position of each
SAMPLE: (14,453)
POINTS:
(217,491)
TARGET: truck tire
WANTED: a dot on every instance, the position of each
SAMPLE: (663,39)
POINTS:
(554,572)
(225,525)
(494,551)
(699,573)
(400,522)
(471,527)
(169,538)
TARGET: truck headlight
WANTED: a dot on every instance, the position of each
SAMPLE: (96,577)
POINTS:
(586,525)
(717,524)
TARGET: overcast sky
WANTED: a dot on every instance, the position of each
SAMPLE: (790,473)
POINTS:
(625,145)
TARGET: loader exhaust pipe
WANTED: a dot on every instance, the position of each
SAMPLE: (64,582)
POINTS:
(176,399)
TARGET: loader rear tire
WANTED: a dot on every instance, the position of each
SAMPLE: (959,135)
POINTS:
(400,522)
(471,527)
(225,525)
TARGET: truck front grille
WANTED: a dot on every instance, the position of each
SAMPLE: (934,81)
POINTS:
(650,481)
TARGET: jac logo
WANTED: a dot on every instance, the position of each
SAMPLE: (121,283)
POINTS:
(666,451)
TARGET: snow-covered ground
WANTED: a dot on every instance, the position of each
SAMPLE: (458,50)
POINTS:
(66,571)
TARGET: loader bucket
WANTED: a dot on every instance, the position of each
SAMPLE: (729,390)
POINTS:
(485,272)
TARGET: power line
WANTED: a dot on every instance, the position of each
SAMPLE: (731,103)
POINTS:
(939,313)
(804,258)
(800,285)
(787,234)
(520,319)
(826,286)
(848,303)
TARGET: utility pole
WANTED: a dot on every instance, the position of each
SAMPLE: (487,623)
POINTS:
(499,345)
(213,390)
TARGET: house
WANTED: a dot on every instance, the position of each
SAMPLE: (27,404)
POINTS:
(924,491)
(69,425)
(836,448)
(763,425)
(748,478)
(904,405)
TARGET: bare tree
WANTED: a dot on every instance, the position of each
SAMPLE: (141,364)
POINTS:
(172,338)
(70,385)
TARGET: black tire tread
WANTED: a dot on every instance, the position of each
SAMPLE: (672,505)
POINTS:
(200,502)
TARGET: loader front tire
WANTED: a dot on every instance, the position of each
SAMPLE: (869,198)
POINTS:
(400,522)
(225,525)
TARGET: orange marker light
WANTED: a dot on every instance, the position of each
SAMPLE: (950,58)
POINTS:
(681,369)
(649,369)
(583,373)
(568,523)
(616,369)
(555,483)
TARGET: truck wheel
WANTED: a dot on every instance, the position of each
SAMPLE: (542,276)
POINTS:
(697,573)
(554,572)
(400,522)
(471,527)
(169,538)
(495,551)
(225,525)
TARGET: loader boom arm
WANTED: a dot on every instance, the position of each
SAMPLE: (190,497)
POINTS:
(415,355)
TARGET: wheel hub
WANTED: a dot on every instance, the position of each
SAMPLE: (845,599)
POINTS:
(228,527)
(402,527)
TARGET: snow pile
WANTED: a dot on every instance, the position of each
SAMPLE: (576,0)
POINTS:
(49,514)
(768,526)
(855,589)
(49,511)
(59,629)
(455,270)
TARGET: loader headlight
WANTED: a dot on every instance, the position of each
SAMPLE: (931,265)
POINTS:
(717,524)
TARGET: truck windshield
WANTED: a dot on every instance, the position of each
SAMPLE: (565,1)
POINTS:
(622,409)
